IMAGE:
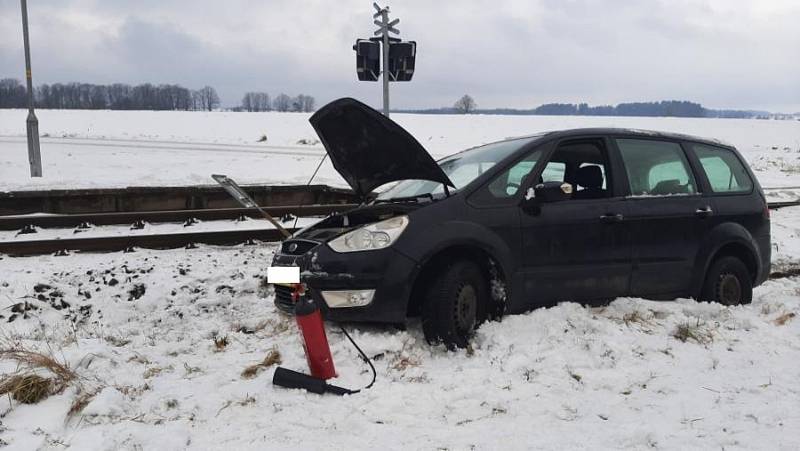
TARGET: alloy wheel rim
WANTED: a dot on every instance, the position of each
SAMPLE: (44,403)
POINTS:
(729,289)
(466,308)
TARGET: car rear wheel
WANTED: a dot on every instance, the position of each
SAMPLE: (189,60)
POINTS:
(728,282)
(455,305)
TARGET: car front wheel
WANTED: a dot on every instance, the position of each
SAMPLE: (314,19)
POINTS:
(455,305)
(728,282)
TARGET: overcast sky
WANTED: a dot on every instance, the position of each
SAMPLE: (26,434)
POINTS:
(742,54)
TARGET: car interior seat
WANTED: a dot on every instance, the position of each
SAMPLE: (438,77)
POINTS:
(672,186)
(590,178)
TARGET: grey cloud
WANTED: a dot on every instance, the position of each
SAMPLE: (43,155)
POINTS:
(723,53)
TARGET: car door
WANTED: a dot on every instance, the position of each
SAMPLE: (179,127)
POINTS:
(667,215)
(578,248)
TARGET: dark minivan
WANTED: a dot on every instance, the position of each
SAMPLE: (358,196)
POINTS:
(576,215)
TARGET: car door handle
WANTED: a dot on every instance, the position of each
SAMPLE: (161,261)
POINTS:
(704,212)
(612,217)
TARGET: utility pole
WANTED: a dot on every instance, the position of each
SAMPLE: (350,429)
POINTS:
(34,156)
(383,31)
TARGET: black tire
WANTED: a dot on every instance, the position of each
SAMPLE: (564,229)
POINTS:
(455,305)
(728,282)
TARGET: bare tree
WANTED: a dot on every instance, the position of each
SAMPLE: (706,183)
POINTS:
(465,104)
(208,98)
(297,103)
(264,102)
(303,103)
(247,101)
(282,102)
(197,100)
(256,101)
(12,93)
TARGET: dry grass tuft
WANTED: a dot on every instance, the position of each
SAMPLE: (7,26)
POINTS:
(154,371)
(79,403)
(33,360)
(27,389)
(273,358)
(220,343)
(692,332)
(635,317)
(269,327)
(26,386)
(402,363)
(783,319)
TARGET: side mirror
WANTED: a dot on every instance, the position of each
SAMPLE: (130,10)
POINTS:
(548,192)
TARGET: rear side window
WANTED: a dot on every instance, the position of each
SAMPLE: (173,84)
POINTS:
(724,171)
(656,168)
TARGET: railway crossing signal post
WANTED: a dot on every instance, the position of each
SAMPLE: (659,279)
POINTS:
(397,59)
(34,156)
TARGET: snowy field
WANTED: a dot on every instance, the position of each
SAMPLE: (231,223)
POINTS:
(159,340)
(138,148)
(139,330)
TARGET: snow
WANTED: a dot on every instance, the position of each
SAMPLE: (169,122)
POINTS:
(110,402)
(570,376)
(139,328)
(133,148)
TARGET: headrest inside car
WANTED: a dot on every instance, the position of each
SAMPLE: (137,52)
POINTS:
(589,177)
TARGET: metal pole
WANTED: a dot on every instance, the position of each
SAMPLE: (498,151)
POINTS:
(385,20)
(34,156)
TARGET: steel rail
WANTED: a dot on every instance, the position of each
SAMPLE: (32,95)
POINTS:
(123,243)
(16,222)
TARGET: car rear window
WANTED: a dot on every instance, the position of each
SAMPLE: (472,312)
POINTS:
(725,172)
(656,168)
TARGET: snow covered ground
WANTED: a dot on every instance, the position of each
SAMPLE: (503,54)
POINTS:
(139,330)
(136,148)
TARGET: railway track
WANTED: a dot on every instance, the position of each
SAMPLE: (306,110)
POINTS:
(17,222)
(131,242)
(163,198)
(82,208)
(29,245)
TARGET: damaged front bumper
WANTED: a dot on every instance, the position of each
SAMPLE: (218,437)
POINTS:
(378,279)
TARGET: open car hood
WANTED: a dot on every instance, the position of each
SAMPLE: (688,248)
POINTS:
(369,150)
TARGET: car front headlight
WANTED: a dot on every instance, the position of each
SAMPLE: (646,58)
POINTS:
(371,237)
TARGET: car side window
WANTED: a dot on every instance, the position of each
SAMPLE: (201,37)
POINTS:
(555,171)
(508,182)
(583,164)
(656,168)
(725,173)
(502,188)
(517,173)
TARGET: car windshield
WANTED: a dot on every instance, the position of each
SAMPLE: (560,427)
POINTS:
(462,168)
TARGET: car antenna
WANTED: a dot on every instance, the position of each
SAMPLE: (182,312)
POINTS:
(246,201)
(310,180)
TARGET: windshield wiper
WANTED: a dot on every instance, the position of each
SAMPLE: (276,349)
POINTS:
(406,198)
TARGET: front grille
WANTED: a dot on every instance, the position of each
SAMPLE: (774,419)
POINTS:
(283,298)
(297,247)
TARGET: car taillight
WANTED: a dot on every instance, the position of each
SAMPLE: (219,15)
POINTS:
(766,211)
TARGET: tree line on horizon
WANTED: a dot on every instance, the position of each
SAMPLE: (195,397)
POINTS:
(261,101)
(669,108)
(147,96)
(116,96)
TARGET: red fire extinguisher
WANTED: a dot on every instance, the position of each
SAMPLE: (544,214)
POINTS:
(315,342)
